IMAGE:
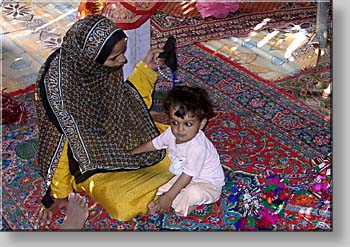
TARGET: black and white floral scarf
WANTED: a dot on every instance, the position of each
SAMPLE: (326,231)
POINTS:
(90,106)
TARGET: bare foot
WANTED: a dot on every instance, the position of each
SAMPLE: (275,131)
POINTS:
(44,215)
(77,212)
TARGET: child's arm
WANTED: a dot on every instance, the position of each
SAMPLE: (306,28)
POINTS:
(146,147)
(163,204)
(157,143)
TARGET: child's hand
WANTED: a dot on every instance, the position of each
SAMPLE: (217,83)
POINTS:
(152,59)
(163,204)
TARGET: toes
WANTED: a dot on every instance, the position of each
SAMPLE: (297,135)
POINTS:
(82,201)
(49,217)
(43,217)
(38,211)
(71,196)
(77,199)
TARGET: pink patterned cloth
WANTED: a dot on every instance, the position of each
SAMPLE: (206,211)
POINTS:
(217,9)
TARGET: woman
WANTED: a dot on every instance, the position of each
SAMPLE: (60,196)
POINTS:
(133,17)
(89,119)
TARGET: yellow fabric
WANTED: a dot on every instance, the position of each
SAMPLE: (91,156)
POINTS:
(161,127)
(143,78)
(124,194)
(62,180)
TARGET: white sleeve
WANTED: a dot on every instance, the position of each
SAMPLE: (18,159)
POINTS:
(162,141)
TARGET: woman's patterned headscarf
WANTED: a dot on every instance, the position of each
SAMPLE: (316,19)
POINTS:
(91,106)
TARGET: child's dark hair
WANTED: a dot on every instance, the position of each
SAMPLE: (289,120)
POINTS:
(194,100)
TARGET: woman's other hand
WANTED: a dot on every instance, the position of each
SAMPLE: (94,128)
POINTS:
(152,60)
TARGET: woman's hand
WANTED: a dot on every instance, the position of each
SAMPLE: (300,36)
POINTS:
(152,60)
(44,215)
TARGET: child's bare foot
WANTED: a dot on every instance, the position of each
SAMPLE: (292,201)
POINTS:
(44,215)
(77,212)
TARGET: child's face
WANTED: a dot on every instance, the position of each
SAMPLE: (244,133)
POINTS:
(185,129)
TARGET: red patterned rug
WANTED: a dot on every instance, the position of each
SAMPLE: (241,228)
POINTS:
(276,152)
(188,8)
(191,29)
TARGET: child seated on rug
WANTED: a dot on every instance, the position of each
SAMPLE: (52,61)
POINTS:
(195,162)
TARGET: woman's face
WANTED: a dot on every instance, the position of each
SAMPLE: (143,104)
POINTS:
(117,57)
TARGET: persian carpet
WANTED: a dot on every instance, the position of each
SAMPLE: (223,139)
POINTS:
(191,29)
(276,153)
(188,8)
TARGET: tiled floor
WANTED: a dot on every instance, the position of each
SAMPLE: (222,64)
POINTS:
(30,32)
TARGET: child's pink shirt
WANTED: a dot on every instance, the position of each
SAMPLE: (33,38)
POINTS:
(197,158)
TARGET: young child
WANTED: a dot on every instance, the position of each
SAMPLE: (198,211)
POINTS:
(199,176)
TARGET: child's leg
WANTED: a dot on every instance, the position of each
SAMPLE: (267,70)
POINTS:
(161,190)
(164,188)
(196,193)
